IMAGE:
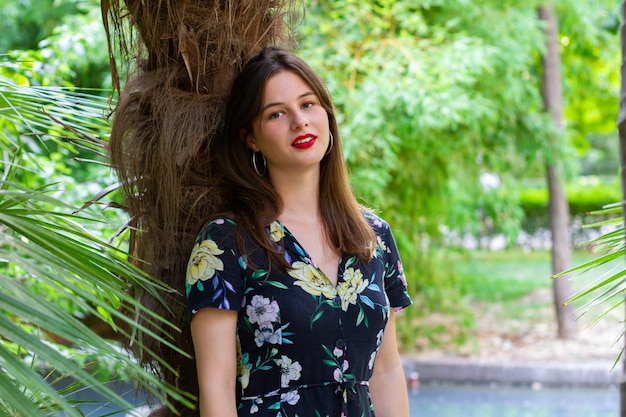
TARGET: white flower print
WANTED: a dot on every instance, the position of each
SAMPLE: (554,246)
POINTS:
(266,333)
(255,405)
(291,397)
(379,338)
(290,371)
(370,365)
(379,341)
(261,310)
(203,263)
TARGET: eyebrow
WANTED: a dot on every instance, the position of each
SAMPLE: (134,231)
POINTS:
(308,93)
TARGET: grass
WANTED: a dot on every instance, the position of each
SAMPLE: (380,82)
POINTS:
(508,275)
(502,276)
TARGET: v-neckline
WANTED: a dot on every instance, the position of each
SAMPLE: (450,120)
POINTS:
(309,259)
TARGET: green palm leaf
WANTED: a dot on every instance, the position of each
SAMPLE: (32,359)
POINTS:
(55,269)
(605,290)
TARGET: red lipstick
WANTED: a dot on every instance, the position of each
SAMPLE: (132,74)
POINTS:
(304,141)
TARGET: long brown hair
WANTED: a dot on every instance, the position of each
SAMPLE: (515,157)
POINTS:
(251,197)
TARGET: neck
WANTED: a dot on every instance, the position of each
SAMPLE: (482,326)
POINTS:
(300,196)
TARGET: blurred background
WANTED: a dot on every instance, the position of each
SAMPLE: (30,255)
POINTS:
(453,132)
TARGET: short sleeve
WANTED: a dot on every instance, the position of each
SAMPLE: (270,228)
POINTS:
(395,281)
(214,272)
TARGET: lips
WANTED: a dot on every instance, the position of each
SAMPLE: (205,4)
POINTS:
(304,141)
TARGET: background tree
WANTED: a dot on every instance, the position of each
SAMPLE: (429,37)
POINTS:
(558,207)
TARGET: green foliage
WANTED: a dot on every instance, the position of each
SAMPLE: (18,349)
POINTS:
(78,47)
(590,57)
(422,117)
(492,209)
(601,157)
(26,22)
(591,196)
(436,293)
(432,98)
(433,95)
(70,48)
(587,195)
(55,269)
(58,271)
(420,109)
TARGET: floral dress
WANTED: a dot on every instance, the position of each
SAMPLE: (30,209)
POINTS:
(305,347)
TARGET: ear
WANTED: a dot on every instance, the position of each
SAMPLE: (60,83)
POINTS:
(249,139)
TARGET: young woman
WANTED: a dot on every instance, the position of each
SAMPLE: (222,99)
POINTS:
(292,291)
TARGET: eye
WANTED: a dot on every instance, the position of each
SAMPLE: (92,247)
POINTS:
(308,104)
(274,115)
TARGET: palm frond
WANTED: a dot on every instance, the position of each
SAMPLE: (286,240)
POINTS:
(606,273)
(55,270)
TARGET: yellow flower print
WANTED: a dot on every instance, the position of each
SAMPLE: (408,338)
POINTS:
(311,280)
(203,263)
(243,367)
(276,231)
(353,284)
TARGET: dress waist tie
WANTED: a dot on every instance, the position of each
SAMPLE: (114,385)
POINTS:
(345,390)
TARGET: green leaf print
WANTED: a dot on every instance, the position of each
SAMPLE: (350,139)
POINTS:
(328,351)
(259,273)
(316,317)
(265,365)
(350,261)
(329,363)
(247,325)
(277,284)
(360,317)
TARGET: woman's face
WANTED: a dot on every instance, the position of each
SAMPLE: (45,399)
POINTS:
(292,128)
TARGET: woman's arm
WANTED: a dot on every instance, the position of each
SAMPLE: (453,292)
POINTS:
(388,384)
(214,339)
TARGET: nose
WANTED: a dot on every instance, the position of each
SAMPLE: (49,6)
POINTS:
(299,120)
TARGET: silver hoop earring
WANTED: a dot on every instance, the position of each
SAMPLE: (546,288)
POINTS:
(330,146)
(256,169)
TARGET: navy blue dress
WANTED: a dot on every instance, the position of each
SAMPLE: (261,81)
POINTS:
(305,347)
